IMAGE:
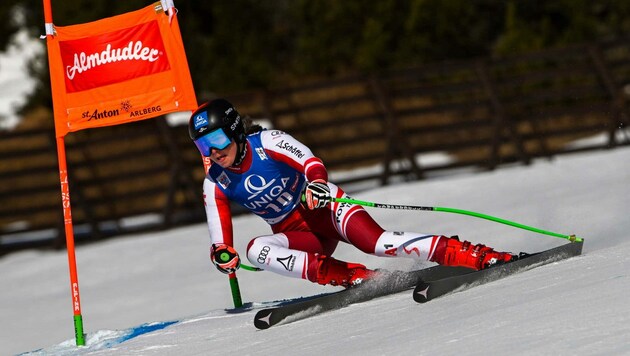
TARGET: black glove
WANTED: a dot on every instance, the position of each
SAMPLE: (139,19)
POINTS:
(316,194)
(225,258)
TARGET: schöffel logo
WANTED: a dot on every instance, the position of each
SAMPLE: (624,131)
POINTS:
(291,149)
(113,57)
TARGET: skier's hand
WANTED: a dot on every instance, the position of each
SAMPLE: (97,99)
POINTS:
(225,258)
(316,194)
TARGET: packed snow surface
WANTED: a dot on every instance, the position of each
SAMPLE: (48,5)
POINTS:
(158,293)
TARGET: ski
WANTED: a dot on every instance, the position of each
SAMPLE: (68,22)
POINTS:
(389,282)
(429,283)
(429,288)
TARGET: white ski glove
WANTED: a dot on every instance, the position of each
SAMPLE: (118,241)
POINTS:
(317,194)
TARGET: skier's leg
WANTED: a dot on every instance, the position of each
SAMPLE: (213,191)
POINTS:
(448,251)
(274,253)
(300,254)
(357,227)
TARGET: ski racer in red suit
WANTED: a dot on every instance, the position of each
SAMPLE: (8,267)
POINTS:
(267,172)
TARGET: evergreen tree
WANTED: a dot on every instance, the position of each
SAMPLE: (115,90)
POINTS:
(242,45)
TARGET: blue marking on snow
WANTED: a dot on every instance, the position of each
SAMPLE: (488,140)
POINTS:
(141,330)
(99,340)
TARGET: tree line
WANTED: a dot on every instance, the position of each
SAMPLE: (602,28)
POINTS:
(239,45)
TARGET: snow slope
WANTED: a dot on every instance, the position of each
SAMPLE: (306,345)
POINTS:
(157,294)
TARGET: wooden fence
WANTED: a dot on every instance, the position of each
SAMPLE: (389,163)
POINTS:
(475,114)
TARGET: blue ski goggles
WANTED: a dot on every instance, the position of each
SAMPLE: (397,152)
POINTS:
(216,139)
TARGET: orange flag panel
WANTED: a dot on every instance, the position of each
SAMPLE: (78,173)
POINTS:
(120,69)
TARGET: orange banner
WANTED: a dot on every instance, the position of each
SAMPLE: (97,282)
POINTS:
(119,69)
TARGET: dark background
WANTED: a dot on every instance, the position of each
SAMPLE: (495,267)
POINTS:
(240,45)
(362,83)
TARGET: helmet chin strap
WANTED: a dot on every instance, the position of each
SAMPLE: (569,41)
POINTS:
(240,153)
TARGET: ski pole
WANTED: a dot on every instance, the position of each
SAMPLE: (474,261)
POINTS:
(236,291)
(571,238)
(250,268)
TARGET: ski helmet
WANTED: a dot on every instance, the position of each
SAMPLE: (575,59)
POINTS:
(214,125)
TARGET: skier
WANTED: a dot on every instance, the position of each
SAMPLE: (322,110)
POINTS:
(268,172)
